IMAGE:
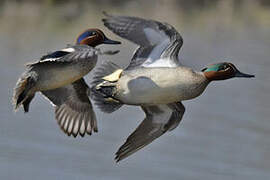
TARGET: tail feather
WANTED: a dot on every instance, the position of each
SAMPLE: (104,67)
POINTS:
(102,90)
(27,102)
(21,93)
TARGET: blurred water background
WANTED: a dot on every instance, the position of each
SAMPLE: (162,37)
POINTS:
(225,133)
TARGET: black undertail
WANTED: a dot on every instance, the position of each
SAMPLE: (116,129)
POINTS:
(102,91)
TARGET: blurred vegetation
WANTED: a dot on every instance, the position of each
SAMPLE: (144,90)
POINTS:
(69,9)
(22,18)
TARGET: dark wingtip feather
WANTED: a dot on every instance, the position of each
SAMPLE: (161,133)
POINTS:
(120,154)
(74,135)
(64,113)
(82,134)
(118,157)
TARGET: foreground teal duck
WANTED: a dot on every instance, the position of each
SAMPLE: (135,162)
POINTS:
(154,79)
(59,77)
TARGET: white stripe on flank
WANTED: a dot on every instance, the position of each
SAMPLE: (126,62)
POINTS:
(49,59)
(68,50)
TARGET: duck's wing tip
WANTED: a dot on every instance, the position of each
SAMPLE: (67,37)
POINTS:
(156,40)
(73,109)
(153,126)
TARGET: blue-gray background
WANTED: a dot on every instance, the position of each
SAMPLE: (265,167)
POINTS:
(225,133)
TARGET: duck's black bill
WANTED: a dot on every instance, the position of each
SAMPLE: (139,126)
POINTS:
(240,74)
(109,41)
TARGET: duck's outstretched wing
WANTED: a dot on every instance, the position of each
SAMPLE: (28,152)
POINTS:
(156,40)
(73,109)
(69,54)
(159,119)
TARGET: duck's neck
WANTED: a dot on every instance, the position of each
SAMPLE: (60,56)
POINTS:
(216,76)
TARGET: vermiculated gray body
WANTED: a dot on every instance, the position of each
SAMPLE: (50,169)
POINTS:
(52,75)
(159,85)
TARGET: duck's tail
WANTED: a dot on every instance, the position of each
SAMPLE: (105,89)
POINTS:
(104,87)
(21,93)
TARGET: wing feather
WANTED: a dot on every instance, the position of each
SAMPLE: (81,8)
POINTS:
(159,119)
(156,40)
(73,109)
(70,54)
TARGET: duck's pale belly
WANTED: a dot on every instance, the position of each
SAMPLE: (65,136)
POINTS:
(160,85)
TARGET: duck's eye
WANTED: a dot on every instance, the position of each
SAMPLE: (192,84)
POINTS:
(203,69)
(224,67)
(94,33)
